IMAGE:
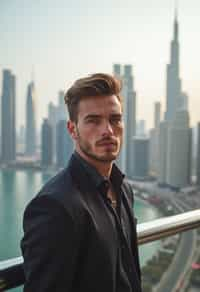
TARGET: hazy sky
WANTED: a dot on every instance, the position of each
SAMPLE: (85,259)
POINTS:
(65,39)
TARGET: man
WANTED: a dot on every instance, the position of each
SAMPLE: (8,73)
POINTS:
(79,231)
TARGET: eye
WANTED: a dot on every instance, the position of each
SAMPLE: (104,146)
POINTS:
(116,120)
(93,120)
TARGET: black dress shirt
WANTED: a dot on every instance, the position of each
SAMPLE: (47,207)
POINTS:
(120,220)
(74,240)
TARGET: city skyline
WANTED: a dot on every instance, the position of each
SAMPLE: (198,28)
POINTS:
(62,45)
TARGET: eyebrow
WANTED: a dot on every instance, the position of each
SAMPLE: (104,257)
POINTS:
(97,116)
(116,115)
(91,116)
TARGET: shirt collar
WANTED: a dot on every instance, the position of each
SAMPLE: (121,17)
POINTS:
(100,182)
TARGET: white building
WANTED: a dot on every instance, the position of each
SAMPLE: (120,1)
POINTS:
(178,152)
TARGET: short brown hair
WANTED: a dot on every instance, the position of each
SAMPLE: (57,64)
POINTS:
(94,85)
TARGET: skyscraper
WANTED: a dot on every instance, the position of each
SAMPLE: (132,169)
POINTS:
(175,148)
(140,157)
(154,141)
(125,159)
(117,70)
(173,78)
(190,150)
(47,144)
(198,156)
(62,113)
(117,73)
(141,128)
(53,120)
(178,150)
(129,118)
(57,113)
(163,142)
(64,144)
(157,114)
(8,123)
(21,139)
(30,120)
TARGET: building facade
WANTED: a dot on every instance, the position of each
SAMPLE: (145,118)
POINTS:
(140,158)
(46,144)
(198,156)
(8,117)
(64,144)
(125,160)
(178,150)
(31,135)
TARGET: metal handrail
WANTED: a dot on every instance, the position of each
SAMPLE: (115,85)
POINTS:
(11,271)
(167,226)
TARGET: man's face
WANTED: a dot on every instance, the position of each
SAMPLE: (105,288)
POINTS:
(99,128)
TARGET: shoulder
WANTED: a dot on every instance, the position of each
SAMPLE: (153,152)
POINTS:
(57,184)
(58,195)
(42,207)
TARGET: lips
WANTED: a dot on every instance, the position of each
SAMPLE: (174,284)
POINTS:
(107,143)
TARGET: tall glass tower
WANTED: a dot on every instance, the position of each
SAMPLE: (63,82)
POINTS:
(8,123)
(47,144)
(30,121)
(173,79)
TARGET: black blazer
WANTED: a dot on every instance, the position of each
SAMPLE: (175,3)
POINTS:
(69,243)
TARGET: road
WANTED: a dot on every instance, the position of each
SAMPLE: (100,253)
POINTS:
(183,256)
(180,262)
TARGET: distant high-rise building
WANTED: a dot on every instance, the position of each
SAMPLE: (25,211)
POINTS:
(52,113)
(175,133)
(157,114)
(129,118)
(64,144)
(173,78)
(152,152)
(46,144)
(117,70)
(21,140)
(163,142)
(141,128)
(125,159)
(62,113)
(8,116)
(61,101)
(190,154)
(57,113)
(31,120)
(178,151)
(183,102)
(53,120)
(22,134)
(198,156)
(140,157)
(154,141)
(117,73)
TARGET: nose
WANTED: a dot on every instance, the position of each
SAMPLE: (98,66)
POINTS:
(107,128)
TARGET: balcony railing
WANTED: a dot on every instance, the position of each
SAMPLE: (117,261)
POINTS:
(11,271)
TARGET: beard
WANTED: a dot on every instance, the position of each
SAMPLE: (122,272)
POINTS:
(87,149)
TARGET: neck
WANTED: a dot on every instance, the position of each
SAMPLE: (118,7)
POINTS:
(103,167)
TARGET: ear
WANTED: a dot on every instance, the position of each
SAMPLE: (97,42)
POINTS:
(71,127)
